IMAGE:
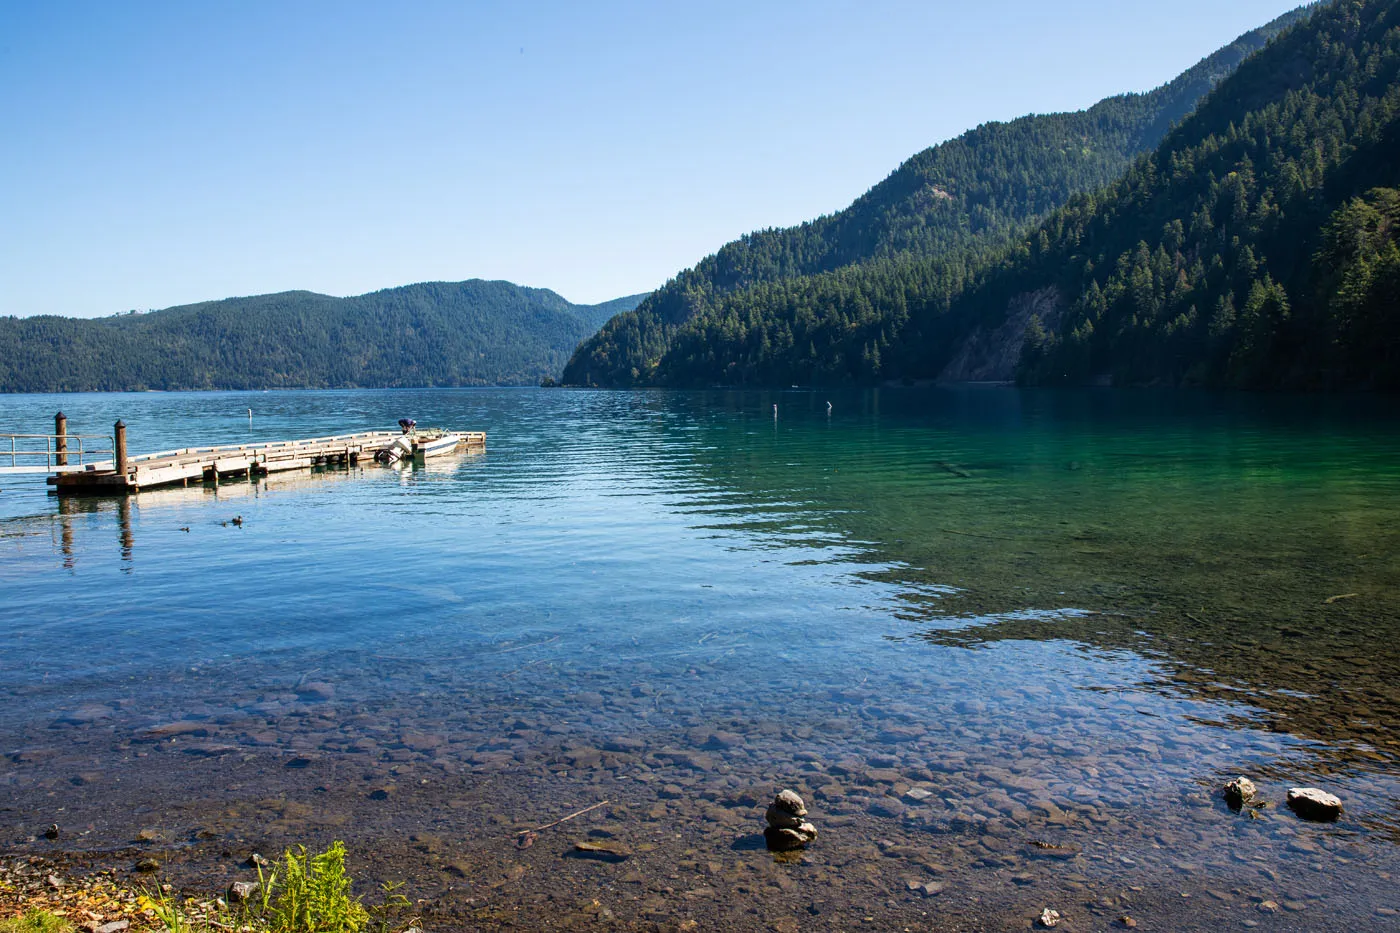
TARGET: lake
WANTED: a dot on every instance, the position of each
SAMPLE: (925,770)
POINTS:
(1006,644)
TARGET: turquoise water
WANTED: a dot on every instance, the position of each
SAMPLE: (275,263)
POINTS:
(1060,619)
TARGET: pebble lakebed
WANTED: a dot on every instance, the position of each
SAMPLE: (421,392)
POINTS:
(968,764)
(953,817)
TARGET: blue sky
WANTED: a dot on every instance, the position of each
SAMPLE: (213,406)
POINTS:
(155,154)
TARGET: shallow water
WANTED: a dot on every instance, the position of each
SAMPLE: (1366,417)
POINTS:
(1060,619)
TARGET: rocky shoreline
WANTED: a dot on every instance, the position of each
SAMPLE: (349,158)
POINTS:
(685,849)
(96,902)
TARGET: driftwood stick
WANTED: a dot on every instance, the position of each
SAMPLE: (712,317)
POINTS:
(540,829)
(1336,599)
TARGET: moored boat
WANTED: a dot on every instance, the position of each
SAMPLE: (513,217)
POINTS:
(435,443)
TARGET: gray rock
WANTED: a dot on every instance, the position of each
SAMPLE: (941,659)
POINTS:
(148,864)
(169,730)
(925,888)
(84,715)
(789,801)
(1239,792)
(726,740)
(1313,804)
(316,691)
(887,807)
(243,891)
(782,839)
(603,851)
(116,926)
(782,819)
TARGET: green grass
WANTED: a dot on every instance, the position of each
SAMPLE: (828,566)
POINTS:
(168,913)
(36,921)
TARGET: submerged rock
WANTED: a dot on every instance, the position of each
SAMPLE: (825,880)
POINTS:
(925,888)
(602,851)
(84,715)
(887,807)
(1239,792)
(783,839)
(316,691)
(1313,804)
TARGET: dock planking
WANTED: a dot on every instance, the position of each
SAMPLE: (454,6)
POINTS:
(130,474)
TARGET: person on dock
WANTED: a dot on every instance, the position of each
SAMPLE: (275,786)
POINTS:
(408,424)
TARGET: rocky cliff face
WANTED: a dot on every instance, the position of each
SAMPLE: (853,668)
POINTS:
(990,354)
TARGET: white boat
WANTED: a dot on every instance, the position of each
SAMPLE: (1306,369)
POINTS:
(439,442)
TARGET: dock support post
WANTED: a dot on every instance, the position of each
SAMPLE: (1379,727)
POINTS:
(119,443)
(60,430)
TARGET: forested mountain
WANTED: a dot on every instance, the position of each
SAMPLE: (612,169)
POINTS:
(595,316)
(964,196)
(432,334)
(1256,248)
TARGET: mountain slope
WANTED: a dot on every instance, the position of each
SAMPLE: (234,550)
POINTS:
(961,195)
(595,316)
(435,333)
(1256,247)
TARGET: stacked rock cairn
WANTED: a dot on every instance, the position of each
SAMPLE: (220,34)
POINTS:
(788,828)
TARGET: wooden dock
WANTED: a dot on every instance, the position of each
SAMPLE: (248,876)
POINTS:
(124,475)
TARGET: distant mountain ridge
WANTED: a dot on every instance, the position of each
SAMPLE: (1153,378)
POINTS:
(430,334)
(964,196)
(1258,246)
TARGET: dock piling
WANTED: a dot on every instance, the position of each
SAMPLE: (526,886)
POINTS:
(60,430)
(120,445)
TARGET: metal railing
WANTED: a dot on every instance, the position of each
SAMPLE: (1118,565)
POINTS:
(60,453)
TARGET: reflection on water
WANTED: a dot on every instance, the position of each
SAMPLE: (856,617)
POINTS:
(1009,641)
